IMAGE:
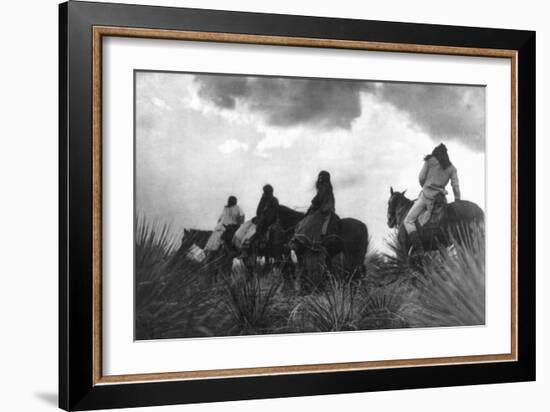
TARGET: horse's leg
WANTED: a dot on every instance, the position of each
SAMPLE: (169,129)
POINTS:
(268,266)
(328,262)
(338,265)
(313,270)
(354,266)
(250,258)
(287,272)
(298,275)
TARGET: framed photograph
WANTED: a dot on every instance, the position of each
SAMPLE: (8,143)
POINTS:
(256,206)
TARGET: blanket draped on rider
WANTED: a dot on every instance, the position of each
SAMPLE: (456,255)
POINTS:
(313,226)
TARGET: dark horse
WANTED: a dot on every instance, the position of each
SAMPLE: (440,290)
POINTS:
(348,240)
(200,238)
(194,236)
(455,216)
(215,262)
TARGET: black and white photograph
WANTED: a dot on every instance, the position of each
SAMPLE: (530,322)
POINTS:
(219,206)
(278,205)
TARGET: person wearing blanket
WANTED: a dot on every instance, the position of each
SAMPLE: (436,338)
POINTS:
(231,214)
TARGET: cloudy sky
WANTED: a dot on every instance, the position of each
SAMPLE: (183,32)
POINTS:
(203,137)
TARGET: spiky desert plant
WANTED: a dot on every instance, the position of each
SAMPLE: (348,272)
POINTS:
(331,308)
(170,300)
(445,287)
(248,301)
(453,284)
(382,307)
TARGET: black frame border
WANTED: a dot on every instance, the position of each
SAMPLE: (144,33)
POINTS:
(76,388)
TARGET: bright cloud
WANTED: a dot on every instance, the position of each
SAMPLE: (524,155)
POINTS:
(161,103)
(224,141)
(231,145)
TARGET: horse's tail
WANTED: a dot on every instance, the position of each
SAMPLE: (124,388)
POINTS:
(464,211)
(355,236)
(464,219)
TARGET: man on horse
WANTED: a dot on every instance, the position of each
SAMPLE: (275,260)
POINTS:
(232,215)
(435,174)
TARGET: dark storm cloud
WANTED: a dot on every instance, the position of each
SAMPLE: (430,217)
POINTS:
(442,111)
(326,104)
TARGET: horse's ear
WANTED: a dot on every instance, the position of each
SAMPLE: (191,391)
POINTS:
(391,190)
(404,191)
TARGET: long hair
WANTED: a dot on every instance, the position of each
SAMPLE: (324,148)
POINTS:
(231,201)
(268,190)
(440,153)
(323,178)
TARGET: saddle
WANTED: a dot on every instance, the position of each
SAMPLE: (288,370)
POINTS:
(435,218)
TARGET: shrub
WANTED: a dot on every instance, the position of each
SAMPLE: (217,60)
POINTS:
(249,302)
(333,308)
(453,284)
(170,300)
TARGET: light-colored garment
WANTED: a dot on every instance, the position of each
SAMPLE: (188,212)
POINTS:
(215,240)
(243,235)
(232,215)
(433,179)
(196,253)
(421,210)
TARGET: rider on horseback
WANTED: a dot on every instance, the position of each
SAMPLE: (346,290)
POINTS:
(313,227)
(267,211)
(323,200)
(231,214)
(434,176)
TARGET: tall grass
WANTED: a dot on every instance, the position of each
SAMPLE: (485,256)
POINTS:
(453,284)
(170,300)
(248,300)
(177,297)
(383,307)
(331,309)
(443,288)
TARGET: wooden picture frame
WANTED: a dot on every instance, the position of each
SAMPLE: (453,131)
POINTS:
(82,384)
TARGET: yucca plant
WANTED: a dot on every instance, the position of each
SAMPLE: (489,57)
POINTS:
(383,307)
(445,287)
(331,308)
(249,301)
(389,288)
(453,285)
(170,300)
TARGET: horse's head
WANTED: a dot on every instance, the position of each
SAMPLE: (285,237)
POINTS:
(395,200)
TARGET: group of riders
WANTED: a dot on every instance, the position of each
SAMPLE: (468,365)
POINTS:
(437,171)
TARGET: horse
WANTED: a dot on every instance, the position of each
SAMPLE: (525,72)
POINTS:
(194,236)
(215,262)
(273,245)
(280,233)
(454,218)
(348,242)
